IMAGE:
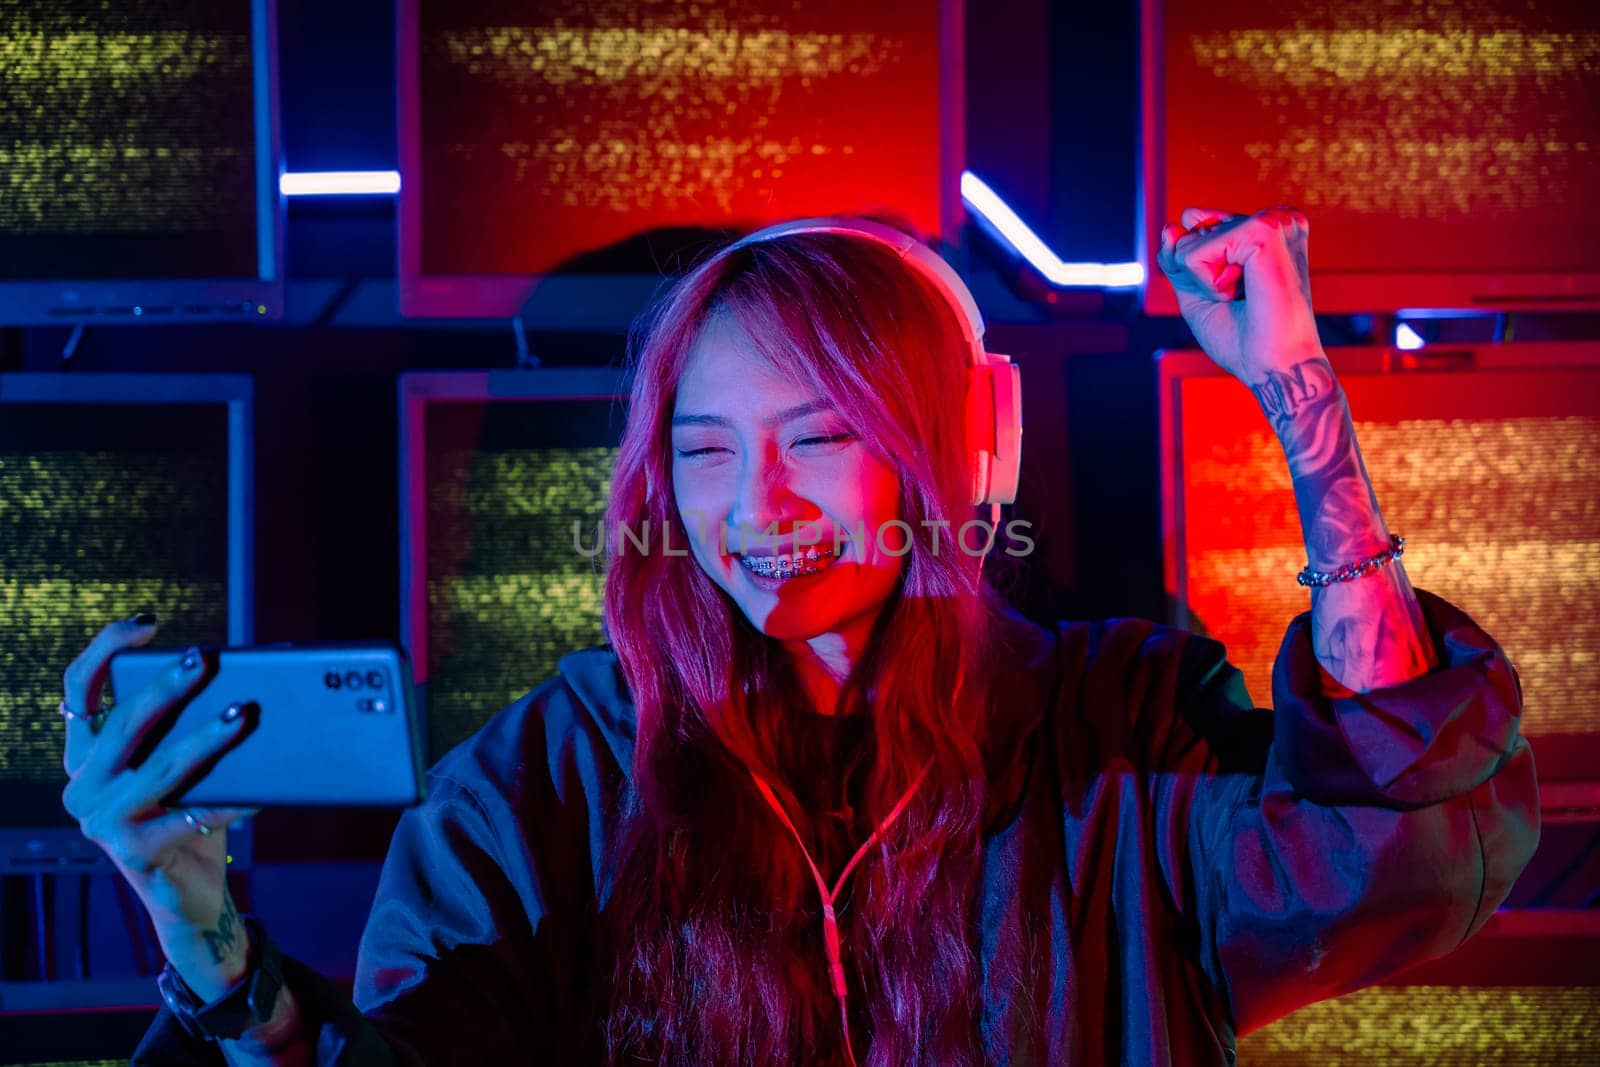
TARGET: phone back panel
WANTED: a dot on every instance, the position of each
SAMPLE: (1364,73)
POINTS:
(334,725)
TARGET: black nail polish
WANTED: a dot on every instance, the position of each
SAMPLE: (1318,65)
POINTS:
(144,619)
(191,659)
(232,712)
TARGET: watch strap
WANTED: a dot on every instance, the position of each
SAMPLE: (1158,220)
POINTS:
(248,1002)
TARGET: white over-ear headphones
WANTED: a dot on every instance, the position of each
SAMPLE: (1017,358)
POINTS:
(994,383)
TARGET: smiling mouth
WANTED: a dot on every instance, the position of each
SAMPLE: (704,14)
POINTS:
(790,566)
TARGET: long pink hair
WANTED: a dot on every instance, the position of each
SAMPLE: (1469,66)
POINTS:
(713,918)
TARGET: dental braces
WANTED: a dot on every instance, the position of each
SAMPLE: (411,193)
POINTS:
(781,567)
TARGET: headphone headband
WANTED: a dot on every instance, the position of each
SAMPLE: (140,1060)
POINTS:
(923,259)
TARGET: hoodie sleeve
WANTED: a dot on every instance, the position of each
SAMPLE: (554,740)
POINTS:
(343,1035)
(1321,845)
(470,951)
(439,949)
(475,951)
(448,970)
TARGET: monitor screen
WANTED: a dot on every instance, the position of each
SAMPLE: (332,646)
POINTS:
(1489,471)
(535,133)
(138,169)
(1435,1025)
(118,494)
(1446,154)
(504,479)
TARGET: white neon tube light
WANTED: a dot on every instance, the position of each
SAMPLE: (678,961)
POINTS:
(1407,339)
(986,202)
(340,183)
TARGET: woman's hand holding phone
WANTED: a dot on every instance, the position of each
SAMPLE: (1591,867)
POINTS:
(177,868)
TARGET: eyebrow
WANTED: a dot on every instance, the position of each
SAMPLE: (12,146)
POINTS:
(786,415)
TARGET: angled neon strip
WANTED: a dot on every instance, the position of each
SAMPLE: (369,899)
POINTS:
(998,214)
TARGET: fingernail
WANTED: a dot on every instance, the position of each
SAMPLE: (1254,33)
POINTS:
(144,619)
(191,659)
(232,713)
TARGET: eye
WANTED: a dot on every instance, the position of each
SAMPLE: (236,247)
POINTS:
(830,439)
(697,451)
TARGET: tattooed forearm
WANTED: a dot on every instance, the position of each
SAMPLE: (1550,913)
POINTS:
(1368,632)
(1284,394)
(225,937)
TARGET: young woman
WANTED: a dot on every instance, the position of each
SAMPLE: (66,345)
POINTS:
(822,800)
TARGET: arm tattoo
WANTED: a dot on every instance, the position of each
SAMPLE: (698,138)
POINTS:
(1284,394)
(222,940)
(1369,632)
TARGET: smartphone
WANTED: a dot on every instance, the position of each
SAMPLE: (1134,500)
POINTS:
(330,724)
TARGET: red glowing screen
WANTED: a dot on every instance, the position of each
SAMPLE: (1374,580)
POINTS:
(1489,473)
(1446,154)
(536,131)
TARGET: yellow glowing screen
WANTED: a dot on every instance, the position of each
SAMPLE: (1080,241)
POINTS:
(552,128)
(1418,135)
(104,511)
(510,589)
(1435,1026)
(127,139)
(1492,478)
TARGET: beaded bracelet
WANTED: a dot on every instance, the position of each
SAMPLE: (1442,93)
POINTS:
(1396,549)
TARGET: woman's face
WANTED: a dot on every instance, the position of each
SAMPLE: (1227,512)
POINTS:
(760,457)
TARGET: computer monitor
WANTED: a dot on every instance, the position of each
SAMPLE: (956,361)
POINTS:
(1485,457)
(1446,154)
(504,477)
(119,493)
(537,134)
(139,163)
(1524,989)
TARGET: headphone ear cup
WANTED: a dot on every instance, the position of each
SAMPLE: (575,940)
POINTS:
(994,429)
(980,430)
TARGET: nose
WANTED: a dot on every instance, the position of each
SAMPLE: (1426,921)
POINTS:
(763,496)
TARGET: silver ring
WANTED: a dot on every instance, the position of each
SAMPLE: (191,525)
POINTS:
(199,827)
(94,719)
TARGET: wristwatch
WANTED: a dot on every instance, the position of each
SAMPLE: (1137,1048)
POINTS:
(248,1002)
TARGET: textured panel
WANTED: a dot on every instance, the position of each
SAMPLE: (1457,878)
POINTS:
(1490,477)
(90,533)
(1419,136)
(127,133)
(554,128)
(1434,1026)
(513,581)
